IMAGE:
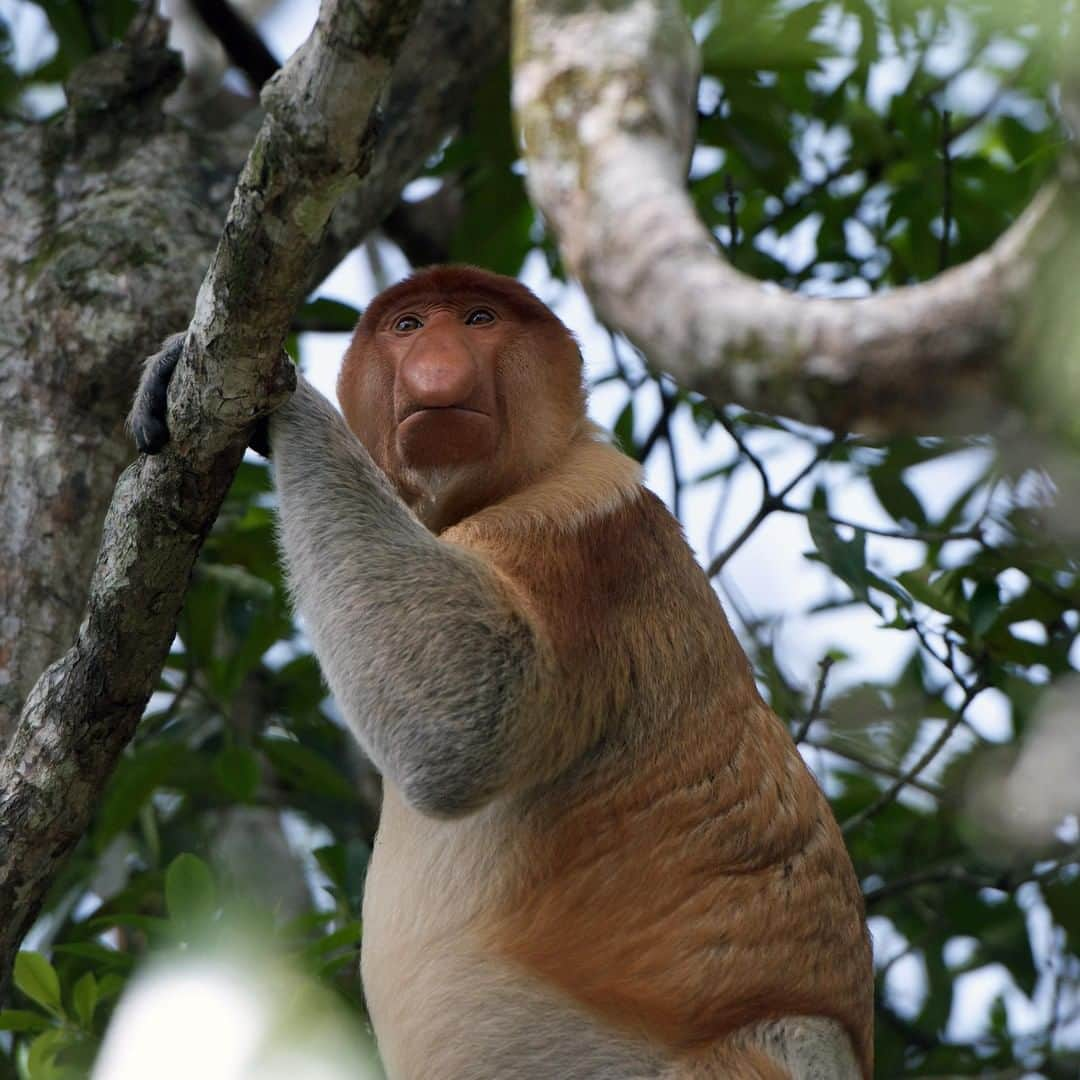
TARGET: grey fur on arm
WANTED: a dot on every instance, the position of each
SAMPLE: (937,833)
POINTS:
(421,646)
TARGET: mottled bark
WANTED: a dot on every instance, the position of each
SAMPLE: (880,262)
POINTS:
(107,218)
(605,93)
(316,136)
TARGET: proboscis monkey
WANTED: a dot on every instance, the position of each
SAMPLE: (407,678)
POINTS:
(601,856)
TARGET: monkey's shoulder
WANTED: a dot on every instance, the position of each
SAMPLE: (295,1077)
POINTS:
(589,530)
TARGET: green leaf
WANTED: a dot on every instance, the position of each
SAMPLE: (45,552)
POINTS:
(346,866)
(84,998)
(327,316)
(985,604)
(345,937)
(138,775)
(237,771)
(845,558)
(238,580)
(252,479)
(623,429)
(898,500)
(487,177)
(190,893)
(306,769)
(23,1020)
(37,979)
(99,955)
(40,1062)
(1063,900)
(110,986)
(936,591)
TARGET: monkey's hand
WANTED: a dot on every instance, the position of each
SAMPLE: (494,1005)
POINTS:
(147,419)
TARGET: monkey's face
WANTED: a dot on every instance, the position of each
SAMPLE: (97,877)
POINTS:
(443,359)
(461,388)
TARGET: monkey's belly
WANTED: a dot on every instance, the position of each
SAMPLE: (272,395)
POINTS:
(454,1016)
(443,1007)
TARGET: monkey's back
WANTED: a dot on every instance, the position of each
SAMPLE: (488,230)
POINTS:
(687,878)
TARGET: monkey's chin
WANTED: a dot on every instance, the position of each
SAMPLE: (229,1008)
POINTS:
(442,496)
(441,439)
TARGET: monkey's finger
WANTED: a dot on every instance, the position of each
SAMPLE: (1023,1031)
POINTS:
(259,441)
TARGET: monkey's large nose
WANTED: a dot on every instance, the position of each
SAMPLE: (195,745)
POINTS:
(438,372)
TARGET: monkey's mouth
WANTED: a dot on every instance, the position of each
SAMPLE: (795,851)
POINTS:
(446,435)
(439,410)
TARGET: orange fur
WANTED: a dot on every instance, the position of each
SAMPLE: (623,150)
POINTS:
(667,862)
(686,878)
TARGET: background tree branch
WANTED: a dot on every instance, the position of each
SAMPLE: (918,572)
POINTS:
(612,185)
(110,218)
(81,712)
(242,44)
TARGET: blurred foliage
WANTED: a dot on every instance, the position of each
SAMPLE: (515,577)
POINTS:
(844,146)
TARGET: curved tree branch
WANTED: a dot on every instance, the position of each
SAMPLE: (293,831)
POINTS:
(605,95)
(82,711)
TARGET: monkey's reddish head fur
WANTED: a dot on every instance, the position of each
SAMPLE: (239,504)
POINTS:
(463,386)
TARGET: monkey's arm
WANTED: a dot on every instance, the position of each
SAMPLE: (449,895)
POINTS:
(426,652)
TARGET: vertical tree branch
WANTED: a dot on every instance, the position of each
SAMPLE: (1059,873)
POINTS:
(241,43)
(80,714)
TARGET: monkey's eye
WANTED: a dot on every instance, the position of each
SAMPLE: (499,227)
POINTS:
(479,317)
(407,323)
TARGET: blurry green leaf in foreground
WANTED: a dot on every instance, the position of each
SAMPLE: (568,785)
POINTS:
(236,1015)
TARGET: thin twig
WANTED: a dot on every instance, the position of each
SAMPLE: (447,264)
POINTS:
(868,763)
(632,381)
(876,165)
(662,428)
(825,664)
(93,30)
(936,875)
(926,536)
(769,504)
(931,752)
(732,428)
(669,401)
(732,209)
(1003,881)
(946,197)
(244,47)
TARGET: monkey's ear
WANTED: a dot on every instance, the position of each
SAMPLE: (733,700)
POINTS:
(147,419)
